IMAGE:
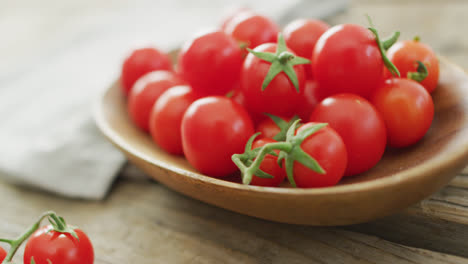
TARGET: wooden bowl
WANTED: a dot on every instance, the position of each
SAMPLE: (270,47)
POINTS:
(400,179)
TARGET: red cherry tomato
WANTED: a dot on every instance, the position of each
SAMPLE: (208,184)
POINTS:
(211,63)
(232,15)
(301,36)
(407,109)
(166,118)
(309,100)
(360,126)
(3,254)
(346,59)
(405,55)
(268,165)
(140,62)
(329,150)
(213,129)
(279,97)
(49,246)
(146,92)
(268,128)
(252,29)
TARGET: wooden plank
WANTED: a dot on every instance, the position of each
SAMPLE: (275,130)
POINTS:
(144,222)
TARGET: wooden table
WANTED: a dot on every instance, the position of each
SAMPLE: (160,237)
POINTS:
(142,221)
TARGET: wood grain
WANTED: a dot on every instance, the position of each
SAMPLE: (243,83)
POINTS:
(144,222)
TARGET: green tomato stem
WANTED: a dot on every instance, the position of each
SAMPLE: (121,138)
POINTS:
(281,61)
(15,244)
(420,74)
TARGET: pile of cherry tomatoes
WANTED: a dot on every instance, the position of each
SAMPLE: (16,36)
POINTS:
(325,101)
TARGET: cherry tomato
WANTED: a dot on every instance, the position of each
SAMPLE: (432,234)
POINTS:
(3,254)
(268,128)
(49,246)
(346,59)
(166,118)
(280,96)
(146,92)
(232,15)
(252,29)
(211,63)
(407,109)
(301,36)
(309,100)
(268,165)
(329,150)
(140,62)
(360,126)
(213,129)
(405,55)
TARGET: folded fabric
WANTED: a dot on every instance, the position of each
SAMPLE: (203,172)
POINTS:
(58,58)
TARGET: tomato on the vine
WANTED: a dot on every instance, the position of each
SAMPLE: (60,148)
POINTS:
(347,59)
(360,126)
(166,118)
(274,91)
(140,62)
(268,165)
(268,128)
(146,92)
(406,54)
(329,150)
(301,36)
(213,129)
(211,63)
(252,29)
(49,246)
(407,109)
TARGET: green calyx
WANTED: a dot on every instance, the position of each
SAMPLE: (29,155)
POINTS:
(297,154)
(57,222)
(384,46)
(249,161)
(281,61)
(290,151)
(420,74)
(283,126)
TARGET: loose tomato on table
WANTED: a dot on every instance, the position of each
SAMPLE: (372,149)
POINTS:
(406,54)
(140,62)
(166,118)
(213,129)
(350,59)
(252,29)
(211,63)
(359,124)
(47,246)
(146,92)
(301,35)
(272,79)
(407,109)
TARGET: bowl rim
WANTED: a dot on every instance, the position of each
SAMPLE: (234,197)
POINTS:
(410,174)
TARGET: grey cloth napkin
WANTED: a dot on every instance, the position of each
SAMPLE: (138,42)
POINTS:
(60,55)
